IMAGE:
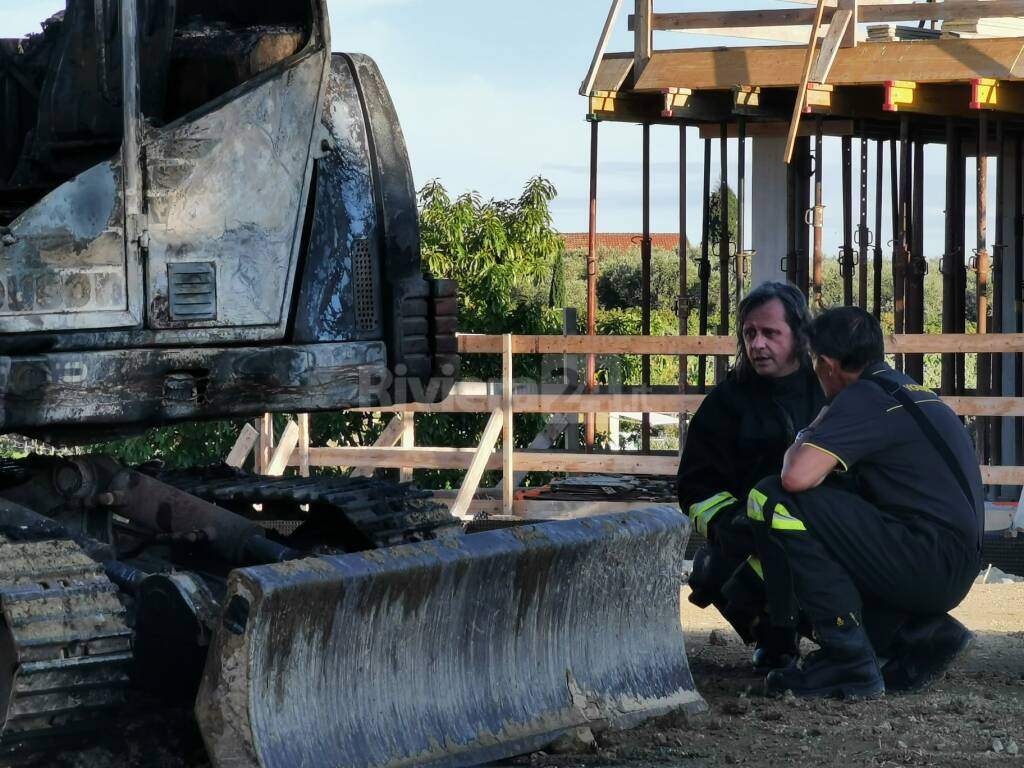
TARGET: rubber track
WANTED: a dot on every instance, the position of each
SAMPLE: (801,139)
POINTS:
(72,643)
(389,514)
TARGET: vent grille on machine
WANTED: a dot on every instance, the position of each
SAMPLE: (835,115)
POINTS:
(193,291)
(363,287)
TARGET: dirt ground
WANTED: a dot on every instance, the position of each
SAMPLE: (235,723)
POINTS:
(974,716)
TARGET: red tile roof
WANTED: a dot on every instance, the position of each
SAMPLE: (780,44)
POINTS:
(619,241)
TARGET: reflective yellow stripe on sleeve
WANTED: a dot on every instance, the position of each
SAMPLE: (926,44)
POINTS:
(782,519)
(703,512)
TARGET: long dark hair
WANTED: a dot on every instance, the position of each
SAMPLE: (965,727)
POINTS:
(798,317)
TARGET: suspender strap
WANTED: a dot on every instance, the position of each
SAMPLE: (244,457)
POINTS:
(896,390)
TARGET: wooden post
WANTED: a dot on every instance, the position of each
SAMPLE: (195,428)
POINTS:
(389,438)
(283,452)
(643,45)
(303,421)
(508,474)
(408,441)
(243,447)
(850,36)
(801,95)
(602,46)
(266,449)
(477,466)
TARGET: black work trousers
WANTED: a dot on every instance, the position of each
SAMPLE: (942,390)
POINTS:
(828,552)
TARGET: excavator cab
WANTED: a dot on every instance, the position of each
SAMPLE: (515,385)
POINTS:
(232,216)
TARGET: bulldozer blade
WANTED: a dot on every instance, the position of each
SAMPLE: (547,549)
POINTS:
(451,652)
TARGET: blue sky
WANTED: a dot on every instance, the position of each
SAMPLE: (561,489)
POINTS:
(487,93)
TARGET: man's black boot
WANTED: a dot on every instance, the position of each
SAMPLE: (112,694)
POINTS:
(776,647)
(844,666)
(924,649)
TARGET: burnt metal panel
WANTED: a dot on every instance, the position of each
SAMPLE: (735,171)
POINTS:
(231,187)
(146,387)
(340,294)
(63,266)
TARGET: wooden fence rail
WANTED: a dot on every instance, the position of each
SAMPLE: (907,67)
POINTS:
(396,447)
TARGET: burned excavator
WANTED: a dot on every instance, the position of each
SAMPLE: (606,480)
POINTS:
(205,214)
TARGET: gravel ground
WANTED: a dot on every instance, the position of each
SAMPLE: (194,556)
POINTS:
(974,716)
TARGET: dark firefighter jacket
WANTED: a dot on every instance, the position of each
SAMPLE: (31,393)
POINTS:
(739,436)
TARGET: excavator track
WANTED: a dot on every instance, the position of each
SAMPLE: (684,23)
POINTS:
(65,646)
(385,514)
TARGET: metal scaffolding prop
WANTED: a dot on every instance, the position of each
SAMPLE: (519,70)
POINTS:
(837,99)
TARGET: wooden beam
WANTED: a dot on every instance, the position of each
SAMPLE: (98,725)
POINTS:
(389,438)
(850,37)
(282,455)
(830,46)
(266,444)
(408,440)
(602,47)
(303,421)
(945,60)
(243,446)
(796,33)
(482,457)
(683,22)
(925,343)
(1002,475)
(801,94)
(967,10)
(507,432)
(547,461)
(643,38)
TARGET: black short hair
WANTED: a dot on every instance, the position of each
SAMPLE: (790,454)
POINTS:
(849,335)
(798,318)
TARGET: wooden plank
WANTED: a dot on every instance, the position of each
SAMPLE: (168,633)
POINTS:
(681,22)
(613,72)
(389,438)
(830,46)
(1002,475)
(801,95)
(797,33)
(961,10)
(643,38)
(243,447)
(266,444)
(725,345)
(408,440)
(282,455)
(482,456)
(547,461)
(507,432)
(303,422)
(850,37)
(602,46)
(946,60)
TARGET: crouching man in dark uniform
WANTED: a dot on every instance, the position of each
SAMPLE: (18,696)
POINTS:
(738,435)
(877,561)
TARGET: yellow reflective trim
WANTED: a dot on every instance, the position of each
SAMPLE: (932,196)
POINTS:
(703,512)
(825,450)
(755,505)
(755,566)
(784,521)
